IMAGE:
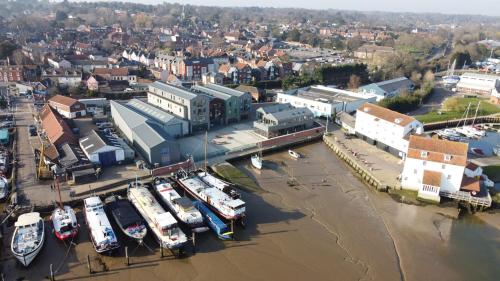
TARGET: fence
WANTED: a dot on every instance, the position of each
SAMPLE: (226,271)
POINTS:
(165,170)
(454,123)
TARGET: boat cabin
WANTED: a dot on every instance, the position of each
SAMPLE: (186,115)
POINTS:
(167,224)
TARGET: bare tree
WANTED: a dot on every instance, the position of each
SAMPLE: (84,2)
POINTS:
(354,82)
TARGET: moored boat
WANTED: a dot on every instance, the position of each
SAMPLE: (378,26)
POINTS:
(4,188)
(220,202)
(64,223)
(28,237)
(216,224)
(126,217)
(256,161)
(213,181)
(294,154)
(181,207)
(162,224)
(101,233)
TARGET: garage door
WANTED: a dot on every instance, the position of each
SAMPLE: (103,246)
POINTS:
(107,158)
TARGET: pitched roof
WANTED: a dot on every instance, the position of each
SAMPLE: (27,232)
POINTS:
(96,140)
(386,114)
(177,91)
(392,85)
(226,90)
(55,127)
(432,178)
(470,184)
(152,111)
(64,100)
(437,150)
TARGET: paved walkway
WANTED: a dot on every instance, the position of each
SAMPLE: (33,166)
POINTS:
(384,166)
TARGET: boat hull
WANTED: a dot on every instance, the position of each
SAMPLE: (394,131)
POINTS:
(227,217)
(66,236)
(256,162)
(27,259)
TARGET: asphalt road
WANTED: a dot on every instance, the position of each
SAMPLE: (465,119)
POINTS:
(436,99)
(30,190)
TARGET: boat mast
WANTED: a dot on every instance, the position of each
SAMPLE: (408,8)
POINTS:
(466,113)
(206,148)
(475,115)
(59,193)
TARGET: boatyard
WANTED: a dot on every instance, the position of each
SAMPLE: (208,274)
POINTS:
(300,199)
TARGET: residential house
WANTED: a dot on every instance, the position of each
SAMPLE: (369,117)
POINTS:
(193,69)
(212,77)
(115,74)
(388,130)
(67,77)
(11,73)
(59,63)
(92,84)
(256,93)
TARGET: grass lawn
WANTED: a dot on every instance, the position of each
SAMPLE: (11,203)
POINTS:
(485,108)
(234,175)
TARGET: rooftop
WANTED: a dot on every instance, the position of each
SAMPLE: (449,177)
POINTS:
(327,94)
(64,100)
(178,91)
(151,111)
(386,114)
(225,90)
(438,150)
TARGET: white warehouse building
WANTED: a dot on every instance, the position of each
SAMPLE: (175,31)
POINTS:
(325,101)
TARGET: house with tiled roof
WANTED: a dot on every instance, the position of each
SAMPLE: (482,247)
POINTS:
(434,166)
(55,128)
(385,128)
(67,107)
(115,74)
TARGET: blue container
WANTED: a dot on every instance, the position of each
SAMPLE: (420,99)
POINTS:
(4,136)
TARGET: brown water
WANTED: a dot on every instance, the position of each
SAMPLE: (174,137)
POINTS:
(327,226)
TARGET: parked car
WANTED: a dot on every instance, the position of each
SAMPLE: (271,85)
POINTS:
(32,130)
(7,124)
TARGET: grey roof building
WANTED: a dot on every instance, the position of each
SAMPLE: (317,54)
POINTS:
(389,88)
(102,149)
(174,126)
(244,98)
(146,135)
(282,119)
(231,110)
(182,103)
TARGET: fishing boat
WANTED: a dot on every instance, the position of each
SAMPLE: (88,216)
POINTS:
(126,217)
(182,207)
(162,224)
(256,159)
(213,181)
(220,202)
(4,188)
(28,237)
(216,224)
(101,233)
(294,154)
(64,220)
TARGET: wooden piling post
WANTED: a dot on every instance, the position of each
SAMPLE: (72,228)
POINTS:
(51,274)
(127,258)
(161,251)
(232,228)
(194,242)
(89,265)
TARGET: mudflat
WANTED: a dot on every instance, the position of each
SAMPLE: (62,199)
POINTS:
(313,220)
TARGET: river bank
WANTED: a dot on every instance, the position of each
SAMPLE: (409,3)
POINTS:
(312,219)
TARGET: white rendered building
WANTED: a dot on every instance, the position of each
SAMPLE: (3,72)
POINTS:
(433,166)
(387,129)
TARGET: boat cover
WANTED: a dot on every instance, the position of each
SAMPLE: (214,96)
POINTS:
(124,213)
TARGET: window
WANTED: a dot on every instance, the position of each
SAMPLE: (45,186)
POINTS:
(443,166)
(447,157)
(424,163)
(424,154)
(449,177)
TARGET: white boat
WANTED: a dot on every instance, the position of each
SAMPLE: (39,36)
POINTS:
(182,207)
(294,154)
(64,220)
(101,233)
(4,188)
(28,238)
(213,181)
(162,224)
(220,202)
(471,132)
(257,158)
(257,161)
(64,223)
